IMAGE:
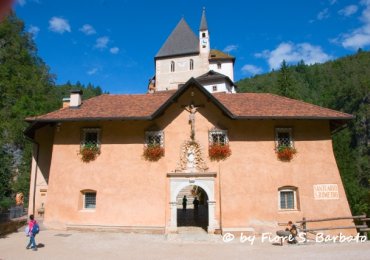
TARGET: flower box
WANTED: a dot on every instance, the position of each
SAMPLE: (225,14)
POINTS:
(285,153)
(218,152)
(89,152)
(153,152)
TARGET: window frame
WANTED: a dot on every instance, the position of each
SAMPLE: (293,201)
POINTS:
(214,88)
(83,196)
(219,65)
(172,67)
(191,64)
(286,189)
(216,131)
(87,130)
(159,134)
(288,130)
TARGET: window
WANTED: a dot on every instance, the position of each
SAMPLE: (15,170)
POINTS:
(217,136)
(214,88)
(172,66)
(90,137)
(283,137)
(88,199)
(203,35)
(219,65)
(154,138)
(191,64)
(288,198)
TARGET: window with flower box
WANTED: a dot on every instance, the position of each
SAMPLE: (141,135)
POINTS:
(154,145)
(284,144)
(90,144)
(218,145)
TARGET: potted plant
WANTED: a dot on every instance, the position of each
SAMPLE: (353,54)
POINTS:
(153,152)
(219,152)
(285,153)
(89,152)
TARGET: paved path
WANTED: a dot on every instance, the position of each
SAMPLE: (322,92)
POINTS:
(108,245)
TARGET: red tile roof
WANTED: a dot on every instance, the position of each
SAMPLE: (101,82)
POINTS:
(144,106)
(265,105)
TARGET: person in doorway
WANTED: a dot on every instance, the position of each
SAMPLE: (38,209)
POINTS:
(184,202)
(196,203)
(32,244)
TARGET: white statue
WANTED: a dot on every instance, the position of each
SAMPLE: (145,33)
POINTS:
(190,158)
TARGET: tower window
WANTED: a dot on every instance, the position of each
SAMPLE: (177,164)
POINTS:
(219,65)
(203,34)
(214,88)
(172,66)
(191,64)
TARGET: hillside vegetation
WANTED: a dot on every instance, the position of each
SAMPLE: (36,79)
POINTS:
(344,85)
(26,89)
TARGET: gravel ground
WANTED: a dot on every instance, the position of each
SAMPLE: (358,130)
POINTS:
(54,244)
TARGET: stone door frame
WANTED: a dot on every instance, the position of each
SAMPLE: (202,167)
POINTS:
(206,181)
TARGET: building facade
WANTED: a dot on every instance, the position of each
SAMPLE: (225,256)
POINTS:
(121,161)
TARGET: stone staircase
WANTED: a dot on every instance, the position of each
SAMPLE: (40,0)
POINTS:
(187,192)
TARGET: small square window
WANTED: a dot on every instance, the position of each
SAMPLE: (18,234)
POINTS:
(89,200)
(214,88)
(283,137)
(154,138)
(90,136)
(288,198)
(219,65)
(217,136)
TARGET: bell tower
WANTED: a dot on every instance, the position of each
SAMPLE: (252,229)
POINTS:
(204,44)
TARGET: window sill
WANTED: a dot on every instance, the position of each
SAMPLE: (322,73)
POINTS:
(87,210)
(288,210)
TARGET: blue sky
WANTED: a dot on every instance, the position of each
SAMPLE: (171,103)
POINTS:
(112,43)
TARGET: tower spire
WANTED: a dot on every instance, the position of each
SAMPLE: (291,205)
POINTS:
(203,22)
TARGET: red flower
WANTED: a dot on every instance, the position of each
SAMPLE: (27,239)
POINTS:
(153,152)
(89,152)
(285,153)
(219,152)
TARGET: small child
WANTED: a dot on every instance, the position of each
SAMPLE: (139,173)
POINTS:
(32,243)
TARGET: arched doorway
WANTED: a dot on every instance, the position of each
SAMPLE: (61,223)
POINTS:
(179,181)
(192,207)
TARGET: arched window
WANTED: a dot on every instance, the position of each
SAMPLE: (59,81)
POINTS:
(191,64)
(288,198)
(172,66)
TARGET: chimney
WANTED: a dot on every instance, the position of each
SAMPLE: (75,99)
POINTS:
(66,102)
(76,98)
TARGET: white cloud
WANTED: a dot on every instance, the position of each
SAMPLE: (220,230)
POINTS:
(34,30)
(114,50)
(102,42)
(348,10)
(324,14)
(251,69)
(59,25)
(332,2)
(87,29)
(230,48)
(92,71)
(359,37)
(21,2)
(293,53)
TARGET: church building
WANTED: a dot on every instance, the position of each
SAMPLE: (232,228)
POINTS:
(189,148)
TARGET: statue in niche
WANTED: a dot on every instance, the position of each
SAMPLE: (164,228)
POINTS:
(190,155)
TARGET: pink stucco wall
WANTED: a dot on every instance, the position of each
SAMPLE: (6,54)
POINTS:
(132,192)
